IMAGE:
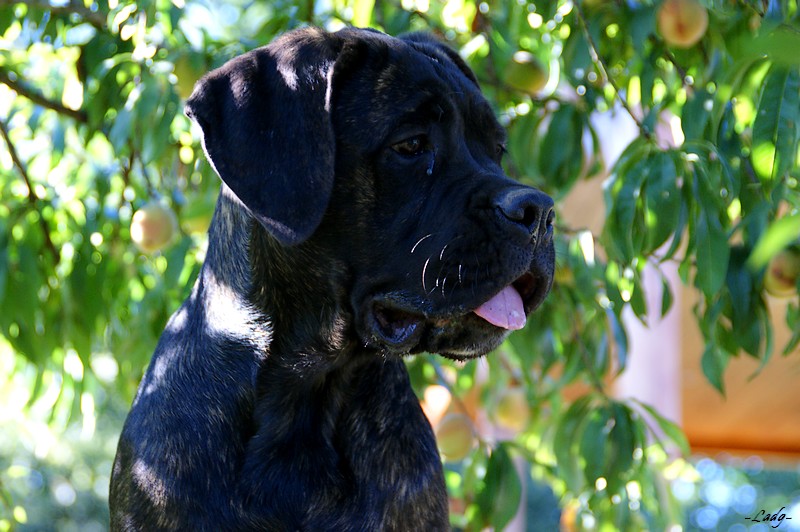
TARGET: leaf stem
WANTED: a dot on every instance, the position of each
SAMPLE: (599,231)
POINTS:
(604,71)
(32,199)
(37,98)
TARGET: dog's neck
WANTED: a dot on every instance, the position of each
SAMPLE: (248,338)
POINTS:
(224,281)
(291,311)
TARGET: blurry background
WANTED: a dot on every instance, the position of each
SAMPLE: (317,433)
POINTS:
(654,390)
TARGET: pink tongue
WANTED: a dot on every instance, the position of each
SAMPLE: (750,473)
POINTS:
(504,310)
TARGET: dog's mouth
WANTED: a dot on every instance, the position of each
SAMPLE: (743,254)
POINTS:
(401,325)
(509,308)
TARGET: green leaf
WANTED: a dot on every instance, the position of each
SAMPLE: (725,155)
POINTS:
(562,148)
(670,429)
(620,340)
(775,130)
(522,137)
(622,197)
(712,254)
(680,225)
(648,76)
(780,46)
(662,201)
(793,322)
(714,362)
(778,235)
(695,115)
(739,282)
(641,25)
(121,130)
(500,495)
(762,321)
(565,439)
(4,240)
(156,141)
(622,442)
(593,444)
(362,12)
(710,240)
(666,296)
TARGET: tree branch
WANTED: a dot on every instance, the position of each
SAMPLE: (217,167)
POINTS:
(95,18)
(598,60)
(32,199)
(34,96)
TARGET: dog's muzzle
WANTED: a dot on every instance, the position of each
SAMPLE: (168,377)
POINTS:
(524,218)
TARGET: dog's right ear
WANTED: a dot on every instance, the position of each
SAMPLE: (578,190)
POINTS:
(267,130)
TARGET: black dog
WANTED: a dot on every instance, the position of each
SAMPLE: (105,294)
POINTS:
(364,215)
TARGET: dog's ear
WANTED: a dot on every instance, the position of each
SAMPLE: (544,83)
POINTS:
(433,47)
(267,130)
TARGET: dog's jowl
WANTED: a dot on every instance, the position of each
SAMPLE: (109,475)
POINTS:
(364,215)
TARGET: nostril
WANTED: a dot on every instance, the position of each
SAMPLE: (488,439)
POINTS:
(528,208)
(530,216)
(551,218)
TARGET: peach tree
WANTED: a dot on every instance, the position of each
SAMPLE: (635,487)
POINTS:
(93,138)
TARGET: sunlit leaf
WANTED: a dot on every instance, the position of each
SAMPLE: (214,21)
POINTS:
(669,428)
(362,12)
(778,235)
(775,130)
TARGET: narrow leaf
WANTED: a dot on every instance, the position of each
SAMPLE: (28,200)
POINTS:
(670,429)
(778,235)
(775,129)
(499,499)
(714,362)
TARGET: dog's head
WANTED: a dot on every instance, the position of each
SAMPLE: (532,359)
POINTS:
(380,157)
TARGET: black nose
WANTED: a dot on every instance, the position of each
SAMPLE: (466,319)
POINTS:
(529,210)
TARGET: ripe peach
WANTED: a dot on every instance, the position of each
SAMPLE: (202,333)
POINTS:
(682,23)
(153,227)
(455,437)
(783,269)
(525,73)
(512,411)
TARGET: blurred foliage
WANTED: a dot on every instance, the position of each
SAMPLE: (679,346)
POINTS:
(92,129)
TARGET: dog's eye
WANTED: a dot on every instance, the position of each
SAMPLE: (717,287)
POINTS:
(413,146)
(500,150)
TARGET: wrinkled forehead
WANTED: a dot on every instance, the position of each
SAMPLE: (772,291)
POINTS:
(413,85)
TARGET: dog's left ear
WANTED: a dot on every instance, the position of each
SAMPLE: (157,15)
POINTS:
(267,130)
(431,46)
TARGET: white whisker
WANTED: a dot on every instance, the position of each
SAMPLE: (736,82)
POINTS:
(420,240)
(424,268)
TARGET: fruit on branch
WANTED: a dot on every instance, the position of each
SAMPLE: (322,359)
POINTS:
(153,227)
(525,73)
(682,23)
(455,437)
(783,270)
(513,411)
